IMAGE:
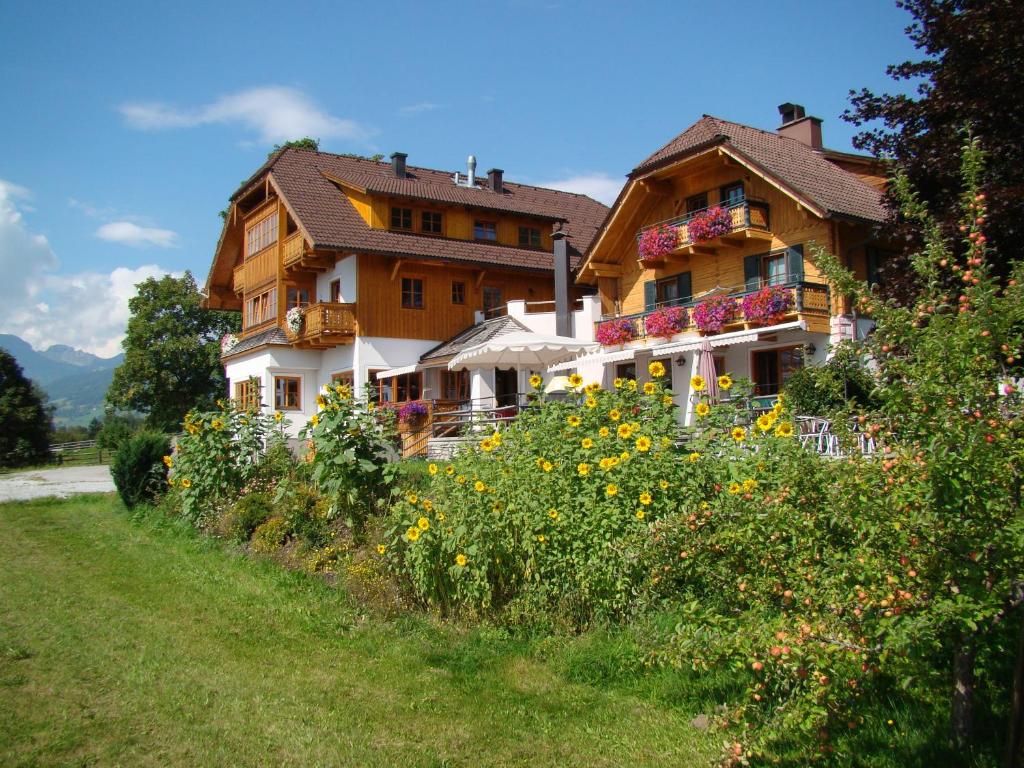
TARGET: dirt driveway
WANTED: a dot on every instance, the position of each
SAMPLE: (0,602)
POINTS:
(61,481)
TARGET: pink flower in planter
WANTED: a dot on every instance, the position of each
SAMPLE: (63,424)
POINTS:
(615,332)
(657,242)
(666,322)
(707,225)
(711,315)
(767,305)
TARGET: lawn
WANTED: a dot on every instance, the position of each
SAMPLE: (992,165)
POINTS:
(128,643)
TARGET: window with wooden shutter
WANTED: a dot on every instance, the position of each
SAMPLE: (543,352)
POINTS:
(650,295)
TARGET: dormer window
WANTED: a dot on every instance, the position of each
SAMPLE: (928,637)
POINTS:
(485,230)
(431,222)
(529,237)
(401,218)
(731,194)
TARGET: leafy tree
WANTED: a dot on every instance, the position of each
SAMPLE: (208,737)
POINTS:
(304,143)
(25,424)
(974,52)
(836,386)
(117,428)
(172,352)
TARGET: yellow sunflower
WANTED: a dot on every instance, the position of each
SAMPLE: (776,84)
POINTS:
(656,368)
(591,401)
(547,466)
(432,469)
(643,444)
(694,457)
(575,380)
(168,461)
(413,533)
(624,456)
(381,549)
(735,488)
(663,484)
(614,414)
(650,388)
(428,504)
(536,381)
(461,479)
(587,443)
(553,514)
(618,383)
(625,431)
(487,445)
(583,468)
(645,498)
(186,483)
(703,409)
(749,484)
(412,498)
(603,432)
(785,429)
(765,422)
(611,489)
(592,387)
(698,384)
(739,434)
(449,470)
(724,381)
(667,401)
(631,385)
(479,486)
(640,514)
(460,560)
(314,419)
(278,416)
(423,524)
(573,421)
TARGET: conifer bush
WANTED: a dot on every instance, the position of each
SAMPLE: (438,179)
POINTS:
(138,468)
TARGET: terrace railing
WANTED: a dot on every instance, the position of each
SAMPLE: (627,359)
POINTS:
(745,214)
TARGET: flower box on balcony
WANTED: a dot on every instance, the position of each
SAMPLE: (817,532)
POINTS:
(713,314)
(768,305)
(656,243)
(666,322)
(293,319)
(412,413)
(614,332)
(709,224)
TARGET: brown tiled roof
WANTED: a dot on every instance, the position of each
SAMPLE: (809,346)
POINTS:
(805,170)
(333,223)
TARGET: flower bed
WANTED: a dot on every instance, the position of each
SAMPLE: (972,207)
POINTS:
(615,332)
(666,322)
(711,315)
(657,242)
(767,305)
(707,225)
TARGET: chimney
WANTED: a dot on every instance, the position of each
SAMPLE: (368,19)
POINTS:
(494,180)
(563,321)
(797,125)
(398,164)
(471,171)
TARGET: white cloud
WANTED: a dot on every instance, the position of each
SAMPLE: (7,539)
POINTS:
(416,109)
(130,233)
(274,113)
(24,255)
(598,185)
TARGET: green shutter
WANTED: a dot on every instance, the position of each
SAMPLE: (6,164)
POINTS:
(650,295)
(795,264)
(752,272)
(684,287)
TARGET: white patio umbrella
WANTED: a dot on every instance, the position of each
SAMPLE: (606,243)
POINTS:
(520,349)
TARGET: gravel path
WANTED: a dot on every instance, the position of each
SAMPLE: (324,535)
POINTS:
(62,482)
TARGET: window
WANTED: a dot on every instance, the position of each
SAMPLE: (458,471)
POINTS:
(668,291)
(261,309)
(485,230)
(343,377)
(261,235)
(626,371)
(773,367)
(697,202)
(492,298)
(431,223)
(412,293)
(529,237)
(458,292)
(288,393)
(297,297)
(400,389)
(401,218)
(731,194)
(247,394)
(776,268)
(455,385)
(335,291)
(773,269)
(875,258)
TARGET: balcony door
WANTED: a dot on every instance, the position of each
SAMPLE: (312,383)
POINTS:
(506,387)
(772,367)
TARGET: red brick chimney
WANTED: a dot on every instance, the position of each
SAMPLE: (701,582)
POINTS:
(797,125)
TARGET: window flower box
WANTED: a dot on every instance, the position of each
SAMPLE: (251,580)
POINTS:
(657,242)
(293,319)
(412,413)
(768,305)
(709,224)
(713,314)
(615,332)
(666,322)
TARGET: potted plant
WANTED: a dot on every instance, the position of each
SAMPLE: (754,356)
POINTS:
(412,413)
(293,319)
(768,305)
(711,315)
(613,332)
(657,242)
(227,343)
(709,224)
(666,322)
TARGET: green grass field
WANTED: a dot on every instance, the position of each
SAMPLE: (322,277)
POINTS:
(126,643)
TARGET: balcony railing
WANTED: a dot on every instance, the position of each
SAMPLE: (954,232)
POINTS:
(809,299)
(745,215)
(239,279)
(292,249)
(329,323)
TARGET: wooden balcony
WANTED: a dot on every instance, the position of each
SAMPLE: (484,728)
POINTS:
(326,325)
(257,270)
(749,221)
(811,303)
(292,249)
(296,257)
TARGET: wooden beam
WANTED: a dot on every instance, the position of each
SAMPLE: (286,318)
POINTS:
(394,270)
(700,250)
(603,269)
(657,186)
(480,277)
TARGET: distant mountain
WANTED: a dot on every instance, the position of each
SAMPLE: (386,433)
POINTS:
(75,381)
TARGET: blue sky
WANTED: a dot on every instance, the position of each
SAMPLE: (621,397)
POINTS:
(127,125)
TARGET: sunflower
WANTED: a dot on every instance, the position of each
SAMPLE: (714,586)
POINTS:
(765,422)
(553,514)
(314,419)
(460,560)
(487,445)
(614,414)
(624,456)
(631,385)
(413,533)
(587,443)
(739,434)
(643,444)
(168,462)
(423,524)
(667,401)
(583,468)
(449,470)
(605,464)
(703,409)
(573,421)
(575,380)
(694,457)
(724,381)
(278,416)
(428,504)
(785,429)
(440,517)
(663,484)
(496,439)
(536,381)
(591,401)
(547,466)
(320,401)
(656,368)
(432,469)
(381,549)
(640,514)
(698,384)
(735,488)
(540,538)
(645,498)
(479,486)
(611,489)
(650,388)
(412,498)
(749,484)
(217,424)
(618,383)
(592,387)
(170,481)
(186,483)
(603,432)
(625,431)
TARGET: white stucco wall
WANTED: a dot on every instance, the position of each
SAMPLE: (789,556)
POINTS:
(280,361)
(345,269)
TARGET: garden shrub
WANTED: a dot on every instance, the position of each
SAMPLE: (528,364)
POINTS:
(558,505)
(270,536)
(841,385)
(138,468)
(306,513)
(247,514)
